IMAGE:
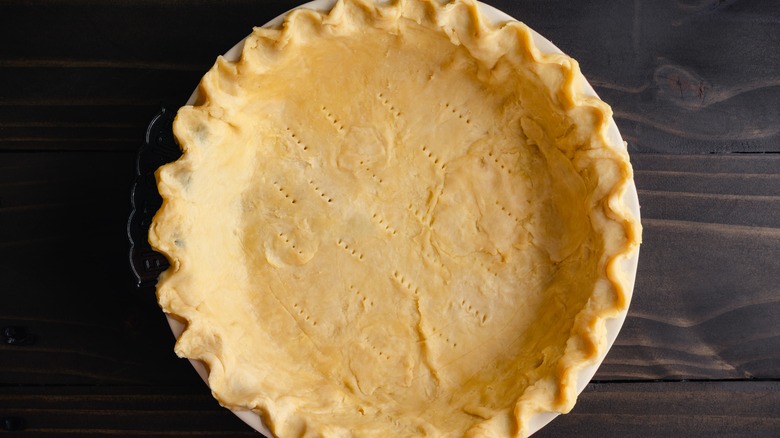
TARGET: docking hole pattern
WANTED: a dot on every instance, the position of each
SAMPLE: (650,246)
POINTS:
(438,334)
(405,282)
(286,239)
(350,249)
(283,192)
(302,315)
(457,113)
(507,212)
(434,159)
(378,352)
(361,297)
(373,175)
(389,106)
(319,192)
(472,311)
(332,119)
(296,139)
(383,224)
(494,158)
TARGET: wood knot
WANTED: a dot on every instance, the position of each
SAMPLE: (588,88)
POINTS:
(681,86)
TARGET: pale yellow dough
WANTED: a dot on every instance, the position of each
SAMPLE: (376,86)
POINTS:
(394,221)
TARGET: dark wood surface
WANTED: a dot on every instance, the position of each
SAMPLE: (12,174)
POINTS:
(695,86)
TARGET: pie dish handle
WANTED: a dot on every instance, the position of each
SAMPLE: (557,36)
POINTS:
(159,147)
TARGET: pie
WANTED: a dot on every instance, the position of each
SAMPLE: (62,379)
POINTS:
(394,219)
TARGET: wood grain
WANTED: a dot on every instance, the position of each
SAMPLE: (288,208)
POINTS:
(733,409)
(91,326)
(63,260)
(705,305)
(673,90)
(694,85)
(739,184)
(719,164)
(706,300)
(727,209)
(646,58)
(126,412)
(97,88)
(605,410)
(60,195)
(700,310)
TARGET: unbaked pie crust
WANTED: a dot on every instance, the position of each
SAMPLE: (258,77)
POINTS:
(395,220)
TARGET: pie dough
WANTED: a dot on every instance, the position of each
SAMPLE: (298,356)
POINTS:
(394,220)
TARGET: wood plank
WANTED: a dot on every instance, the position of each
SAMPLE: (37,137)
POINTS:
(753,211)
(710,163)
(746,184)
(64,264)
(97,184)
(647,59)
(708,277)
(102,331)
(41,132)
(33,85)
(85,76)
(70,114)
(705,305)
(42,88)
(83,188)
(68,144)
(656,70)
(107,61)
(34,167)
(20,224)
(603,409)
(173,35)
(735,409)
(120,411)
(36,212)
(75,293)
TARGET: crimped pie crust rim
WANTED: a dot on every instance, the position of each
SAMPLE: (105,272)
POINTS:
(624,197)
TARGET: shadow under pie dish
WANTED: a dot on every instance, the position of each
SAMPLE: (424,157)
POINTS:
(397,219)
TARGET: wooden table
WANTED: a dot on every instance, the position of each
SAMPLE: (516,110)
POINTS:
(695,86)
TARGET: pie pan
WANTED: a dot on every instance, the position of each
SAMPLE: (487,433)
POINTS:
(630,200)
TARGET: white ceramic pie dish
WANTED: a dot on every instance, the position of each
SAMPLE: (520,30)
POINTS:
(630,199)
